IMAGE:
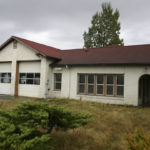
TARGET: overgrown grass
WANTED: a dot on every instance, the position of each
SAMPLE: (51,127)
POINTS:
(107,131)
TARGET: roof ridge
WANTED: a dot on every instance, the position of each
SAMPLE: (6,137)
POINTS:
(35,42)
(113,46)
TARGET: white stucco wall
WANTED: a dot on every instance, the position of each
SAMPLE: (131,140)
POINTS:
(69,76)
(27,55)
(131,81)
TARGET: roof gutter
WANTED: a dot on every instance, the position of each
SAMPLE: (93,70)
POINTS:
(105,64)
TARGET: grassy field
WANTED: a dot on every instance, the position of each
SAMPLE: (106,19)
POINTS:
(107,131)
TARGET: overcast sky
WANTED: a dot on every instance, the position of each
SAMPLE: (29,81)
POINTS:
(61,23)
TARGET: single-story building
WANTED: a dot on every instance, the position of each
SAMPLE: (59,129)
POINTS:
(114,74)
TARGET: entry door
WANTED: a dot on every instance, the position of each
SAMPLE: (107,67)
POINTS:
(145,90)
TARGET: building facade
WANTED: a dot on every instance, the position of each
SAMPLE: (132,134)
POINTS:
(115,75)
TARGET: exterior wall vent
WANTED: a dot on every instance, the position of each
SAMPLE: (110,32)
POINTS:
(14,44)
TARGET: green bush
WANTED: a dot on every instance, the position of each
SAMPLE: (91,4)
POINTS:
(139,140)
(28,126)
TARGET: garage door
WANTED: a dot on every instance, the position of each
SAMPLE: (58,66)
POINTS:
(5,78)
(29,79)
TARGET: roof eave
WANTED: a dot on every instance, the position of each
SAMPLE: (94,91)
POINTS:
(103,64)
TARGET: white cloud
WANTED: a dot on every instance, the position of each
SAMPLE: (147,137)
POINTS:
(61,23)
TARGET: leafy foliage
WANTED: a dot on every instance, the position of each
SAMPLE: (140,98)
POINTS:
(105,29)
(29,126)
(139,140)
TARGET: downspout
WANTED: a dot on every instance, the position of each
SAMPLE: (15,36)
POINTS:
(47,80)
(67,67)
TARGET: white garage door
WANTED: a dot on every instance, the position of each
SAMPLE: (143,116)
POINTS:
(5,78)
(29,79)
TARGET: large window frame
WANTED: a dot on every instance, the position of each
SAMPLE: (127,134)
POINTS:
(5,77)
(102,84)
(29,78)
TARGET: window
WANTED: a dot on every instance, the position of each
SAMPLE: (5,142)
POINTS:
(14,44)
(101,84)
(29,78)
(81,83)
(91,84)
(120,85)
(5,77)
(110,84)
(57,81)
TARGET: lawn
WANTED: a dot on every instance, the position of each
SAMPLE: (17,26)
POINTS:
(107,130)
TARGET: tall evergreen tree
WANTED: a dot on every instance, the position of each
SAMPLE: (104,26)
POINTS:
(105,28)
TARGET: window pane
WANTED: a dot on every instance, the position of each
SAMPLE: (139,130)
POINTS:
(37,75)
(4,75)
(90,89)
(91,79)
(22,75)
(81,88)
(29,81)
(58,77)
(120,79)
(100,79)
(120,90)
(58,86)
(9,75)
(37,81)
(5,80)
(99,89)
(30,75)
(22,81)
(109,90)
(110,79)
(81,78)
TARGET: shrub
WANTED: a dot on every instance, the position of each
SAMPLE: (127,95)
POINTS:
(139,140)
(29,125)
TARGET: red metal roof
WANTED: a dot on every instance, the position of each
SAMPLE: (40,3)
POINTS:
(137,54)
(43,49)
(40,48)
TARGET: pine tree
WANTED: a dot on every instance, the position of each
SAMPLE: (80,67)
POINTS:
(29,125)
(105,28)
